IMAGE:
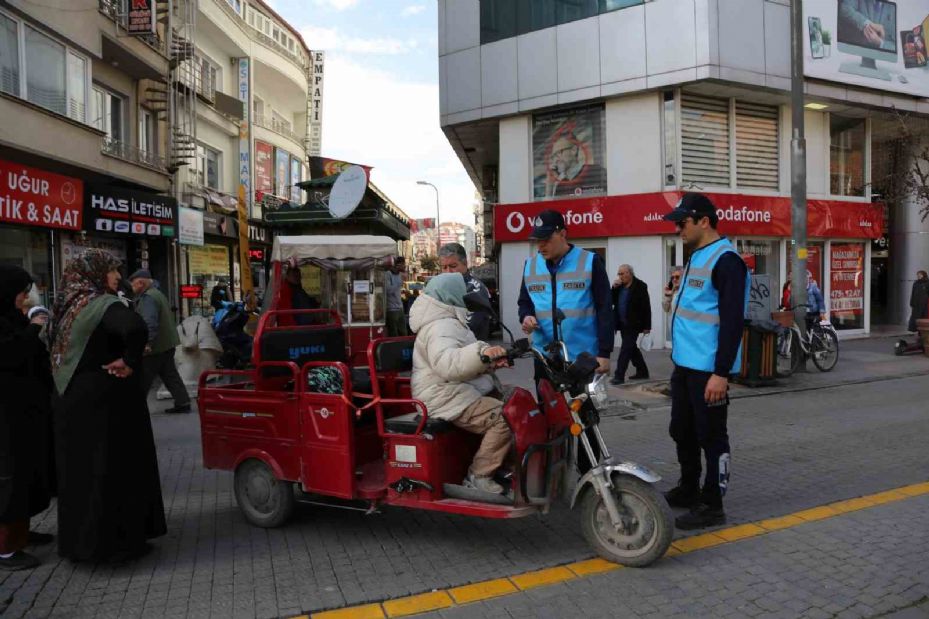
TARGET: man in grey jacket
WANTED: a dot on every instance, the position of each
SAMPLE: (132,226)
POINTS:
(154,309)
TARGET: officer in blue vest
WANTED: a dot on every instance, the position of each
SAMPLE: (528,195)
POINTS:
(574,280)
(706,335)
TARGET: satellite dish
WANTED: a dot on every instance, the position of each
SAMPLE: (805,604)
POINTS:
(347,192)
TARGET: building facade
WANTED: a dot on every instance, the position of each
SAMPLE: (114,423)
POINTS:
(85,158)
(256,89)
(608,111)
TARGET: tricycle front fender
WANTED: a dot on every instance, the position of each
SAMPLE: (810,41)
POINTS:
(624,468)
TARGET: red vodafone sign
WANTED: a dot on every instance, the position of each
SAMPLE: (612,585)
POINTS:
(641,215)
(34,197)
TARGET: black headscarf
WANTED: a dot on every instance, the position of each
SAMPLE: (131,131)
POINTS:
(13,280)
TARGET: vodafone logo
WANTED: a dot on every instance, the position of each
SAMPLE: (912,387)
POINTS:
(515,222)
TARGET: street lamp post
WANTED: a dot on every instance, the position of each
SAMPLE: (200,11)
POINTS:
(438,234)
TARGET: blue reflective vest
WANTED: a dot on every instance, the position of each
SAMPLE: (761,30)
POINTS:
(695,325)
(573,296)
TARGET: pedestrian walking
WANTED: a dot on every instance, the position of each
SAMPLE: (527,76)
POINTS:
(919,300)
(706,334)
(454,259)
(158,361)
(396,319)
(632,316)
(109,494)
(25,415)
(562,276)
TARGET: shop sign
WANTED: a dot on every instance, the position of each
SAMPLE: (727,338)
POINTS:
(264,168)
(209,260)
(190,226)
(122,211)
(315,84)
(641,215)
(141,18)
(191,291)
(245,140)
(34,197)
(219,225)
(256,254)
(258,234)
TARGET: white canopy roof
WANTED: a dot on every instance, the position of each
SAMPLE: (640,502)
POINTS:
(342,247)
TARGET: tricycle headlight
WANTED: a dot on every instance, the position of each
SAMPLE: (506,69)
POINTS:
(597,392)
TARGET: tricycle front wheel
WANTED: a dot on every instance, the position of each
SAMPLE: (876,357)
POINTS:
(265,500)
(647,523)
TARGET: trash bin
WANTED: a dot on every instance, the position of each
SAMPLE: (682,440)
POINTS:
(759,353)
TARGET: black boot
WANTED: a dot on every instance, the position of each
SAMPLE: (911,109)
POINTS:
(700,517)
(683,496)
(19,561)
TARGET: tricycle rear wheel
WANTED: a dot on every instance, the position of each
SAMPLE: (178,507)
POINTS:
(648,523)
(265,500)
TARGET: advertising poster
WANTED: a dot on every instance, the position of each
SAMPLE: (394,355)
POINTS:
(847,291)
(878,44)
(296,169)
(264,168)
(568,153)
(209,260)
(323,166)
(281,172)
(141,17)
(190,226)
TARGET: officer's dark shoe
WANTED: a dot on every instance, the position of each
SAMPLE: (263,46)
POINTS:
(683,496)
(178,409)
(617,380)
(39,539)
(639,376)
(700,517)
(19,561)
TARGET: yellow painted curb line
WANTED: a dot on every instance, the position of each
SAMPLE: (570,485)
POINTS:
(488,589)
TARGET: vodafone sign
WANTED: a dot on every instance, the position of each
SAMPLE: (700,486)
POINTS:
(641,215)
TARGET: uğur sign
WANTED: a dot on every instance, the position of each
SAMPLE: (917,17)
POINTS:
(35,197)
(641,215)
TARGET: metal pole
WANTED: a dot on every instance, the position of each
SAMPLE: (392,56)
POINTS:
(438,240)
(798,249)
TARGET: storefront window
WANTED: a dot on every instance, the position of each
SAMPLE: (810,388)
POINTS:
(846,297)
(208,266)
(353,294)
(28,249)
(846,155)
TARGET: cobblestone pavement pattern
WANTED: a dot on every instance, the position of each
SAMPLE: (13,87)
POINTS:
(790,452)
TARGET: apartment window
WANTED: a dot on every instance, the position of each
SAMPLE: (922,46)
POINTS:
(669,127)
(236,5)
(9,56)
(209,78)
(146,131)
(258,106)
(757,153)
(107,113)
(501,19)
(208,160)
(43,70)
(280,122)
(704,141)
(847,139)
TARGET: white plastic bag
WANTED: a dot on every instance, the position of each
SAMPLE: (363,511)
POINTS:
(645,341)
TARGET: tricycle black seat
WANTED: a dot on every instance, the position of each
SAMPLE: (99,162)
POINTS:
(407,424)
(361,380)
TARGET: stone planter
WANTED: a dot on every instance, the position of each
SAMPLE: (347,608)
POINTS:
(922,325)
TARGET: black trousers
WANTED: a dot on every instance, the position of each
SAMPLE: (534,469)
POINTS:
(162,364)
(629,351)
(697,428)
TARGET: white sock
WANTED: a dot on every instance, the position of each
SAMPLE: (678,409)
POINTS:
(3,556)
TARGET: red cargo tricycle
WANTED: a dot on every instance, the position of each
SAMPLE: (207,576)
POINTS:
(318,421)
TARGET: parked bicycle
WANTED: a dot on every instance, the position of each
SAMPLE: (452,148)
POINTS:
(821,345)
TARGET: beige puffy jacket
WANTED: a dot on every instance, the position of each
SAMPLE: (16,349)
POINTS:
(448,374)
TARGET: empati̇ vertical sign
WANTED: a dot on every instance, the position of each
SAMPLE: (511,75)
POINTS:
(245,167)
(315,81)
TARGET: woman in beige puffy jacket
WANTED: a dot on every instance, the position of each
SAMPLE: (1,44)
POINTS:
(451,379)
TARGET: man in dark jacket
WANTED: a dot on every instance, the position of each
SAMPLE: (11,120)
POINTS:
(919,299)
(155,310)
(632,315)
(454,259)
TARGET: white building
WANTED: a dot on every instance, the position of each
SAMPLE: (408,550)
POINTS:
(245,52)
(608,111)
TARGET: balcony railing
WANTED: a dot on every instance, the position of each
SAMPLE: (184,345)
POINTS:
(118,11)
(121,150)
(273,124)
(262,37)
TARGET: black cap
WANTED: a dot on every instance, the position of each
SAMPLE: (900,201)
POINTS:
(546,224)
(694,205)
(141,273)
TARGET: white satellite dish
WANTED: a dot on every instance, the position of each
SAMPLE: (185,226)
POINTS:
(347,192)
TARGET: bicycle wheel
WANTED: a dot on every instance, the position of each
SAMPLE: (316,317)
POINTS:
(788,353)
(824,347)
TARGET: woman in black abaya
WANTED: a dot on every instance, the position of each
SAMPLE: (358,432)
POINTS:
(109,494)
(25,388)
